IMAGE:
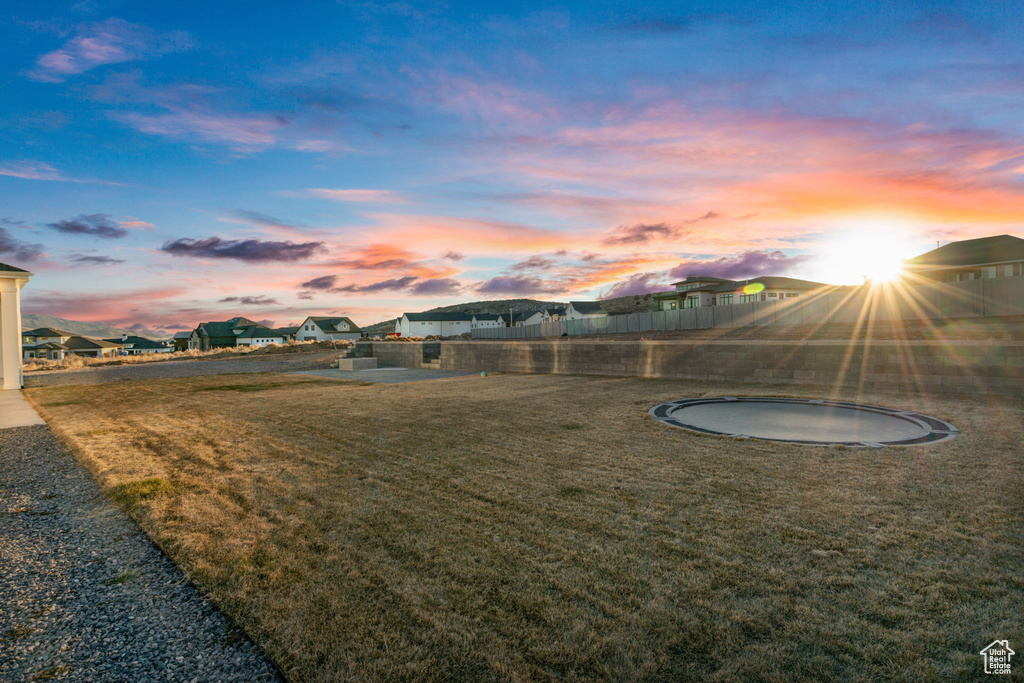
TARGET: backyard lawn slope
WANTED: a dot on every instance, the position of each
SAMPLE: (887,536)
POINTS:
(528,528)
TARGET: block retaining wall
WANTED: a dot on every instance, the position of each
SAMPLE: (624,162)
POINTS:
(969,367)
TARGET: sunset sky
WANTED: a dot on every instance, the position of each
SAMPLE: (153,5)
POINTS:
(163,164)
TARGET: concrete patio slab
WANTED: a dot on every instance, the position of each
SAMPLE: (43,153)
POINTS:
(16,412)
(388,375)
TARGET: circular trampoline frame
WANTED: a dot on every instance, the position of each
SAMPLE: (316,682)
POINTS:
(933,430)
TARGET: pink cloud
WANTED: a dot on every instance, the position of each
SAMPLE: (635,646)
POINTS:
(106,42)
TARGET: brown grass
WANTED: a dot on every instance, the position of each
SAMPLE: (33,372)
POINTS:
(73,362)
(545,527)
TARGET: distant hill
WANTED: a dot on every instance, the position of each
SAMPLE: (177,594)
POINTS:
(30,321)
(621,304)
(474,307)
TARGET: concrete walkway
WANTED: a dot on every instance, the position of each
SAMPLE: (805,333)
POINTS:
(388,375)
(16,412)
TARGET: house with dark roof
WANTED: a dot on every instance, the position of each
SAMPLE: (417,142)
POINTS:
(483,321)
(45,343)
(258,335)
(702,290)
(553,314)
(449,324)
(520,318)
(180,340)
(92,348)
(985,257)
(326,328)
(584,309)
(137,346)
(215,335)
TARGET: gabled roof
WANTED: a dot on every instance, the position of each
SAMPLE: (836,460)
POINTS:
(976,252)
(46,332)
(585,307)
(518,316)
(770,282)
(45,345)
(258,331)
(555,310)
(224,329)
(139,342)
(288,330)
(327,324)
(4,268)
(183,335)
(485,316)
(700,278)
(78,342)
(451,317)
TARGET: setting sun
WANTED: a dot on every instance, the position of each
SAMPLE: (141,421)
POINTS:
(862,256)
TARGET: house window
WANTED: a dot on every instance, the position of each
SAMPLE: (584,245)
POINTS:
(772,295)
(747,298)
(790,295)
(725,299)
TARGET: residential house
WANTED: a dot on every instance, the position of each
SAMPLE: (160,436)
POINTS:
(553,314)
(12,280)
(437,324)
(985,257)
(180,340)
(697,291)
(520,318)
(92,348)
(584,309)
(258,335)
(484,320)
(137,346)
(45,343)
(324,328)
(214,335)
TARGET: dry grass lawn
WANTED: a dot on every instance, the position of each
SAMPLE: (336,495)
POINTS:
(546,528)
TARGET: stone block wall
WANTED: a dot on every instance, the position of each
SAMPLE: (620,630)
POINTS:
(969,367)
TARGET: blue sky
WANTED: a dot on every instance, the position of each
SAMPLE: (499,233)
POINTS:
(163,165)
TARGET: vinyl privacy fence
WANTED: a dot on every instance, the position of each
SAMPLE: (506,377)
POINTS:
(970,299)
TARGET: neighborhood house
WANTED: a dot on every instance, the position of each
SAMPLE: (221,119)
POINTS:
(702,290)
(323,328)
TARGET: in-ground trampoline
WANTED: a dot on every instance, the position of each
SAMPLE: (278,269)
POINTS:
(796,420)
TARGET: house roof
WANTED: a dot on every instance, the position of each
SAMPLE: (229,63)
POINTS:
(254,331)
(4,268)
(327,324)
(79,342)
(701,278)
(183,335)
(555,310)
(585,307)
(770,282)
(224,329)
(46,332)
(450,317)
(288,330)
(976,252)
(46,345)
(518,316)
(485,316)
(139,342)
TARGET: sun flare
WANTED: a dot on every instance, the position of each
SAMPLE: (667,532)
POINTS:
(872,255)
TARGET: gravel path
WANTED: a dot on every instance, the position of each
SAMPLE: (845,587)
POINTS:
(86,596)
(290,362)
